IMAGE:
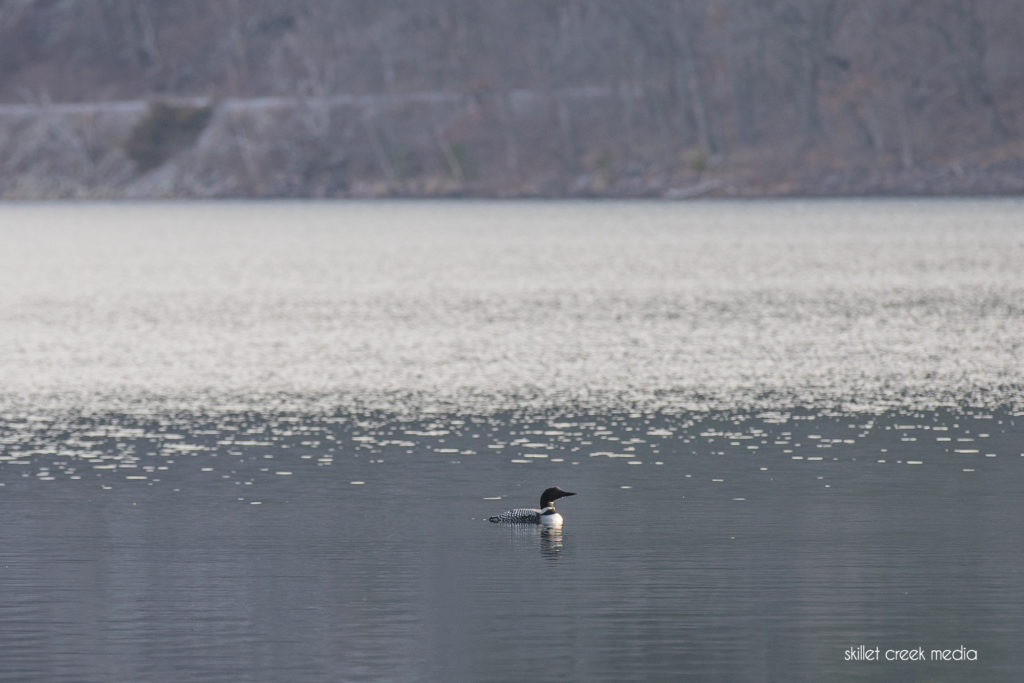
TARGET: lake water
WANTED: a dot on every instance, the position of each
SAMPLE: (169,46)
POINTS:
(260,441)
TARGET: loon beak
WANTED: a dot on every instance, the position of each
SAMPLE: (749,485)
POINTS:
(566,493)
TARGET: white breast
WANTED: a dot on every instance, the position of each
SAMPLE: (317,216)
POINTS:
(551,520)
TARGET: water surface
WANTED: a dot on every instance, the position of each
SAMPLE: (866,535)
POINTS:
(260,441)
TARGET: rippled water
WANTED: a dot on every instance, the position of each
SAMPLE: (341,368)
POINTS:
(259,441)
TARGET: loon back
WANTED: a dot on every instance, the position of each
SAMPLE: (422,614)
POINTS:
(546,514)
(523,515)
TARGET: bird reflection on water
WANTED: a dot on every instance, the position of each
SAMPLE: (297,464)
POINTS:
(551,539)
(551,542)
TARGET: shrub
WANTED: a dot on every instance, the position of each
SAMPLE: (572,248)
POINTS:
(164,130)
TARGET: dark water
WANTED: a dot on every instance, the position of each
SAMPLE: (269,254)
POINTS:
(260,442)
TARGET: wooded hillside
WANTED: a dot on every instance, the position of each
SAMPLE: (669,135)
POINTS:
(135,98)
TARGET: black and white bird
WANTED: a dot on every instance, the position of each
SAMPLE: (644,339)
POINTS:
(546,514)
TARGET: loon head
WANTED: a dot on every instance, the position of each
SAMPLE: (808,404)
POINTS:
(552,494)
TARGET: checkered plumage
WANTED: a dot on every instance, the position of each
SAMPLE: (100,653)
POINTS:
(518,516)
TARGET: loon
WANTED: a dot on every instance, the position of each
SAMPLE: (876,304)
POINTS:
(545,515)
